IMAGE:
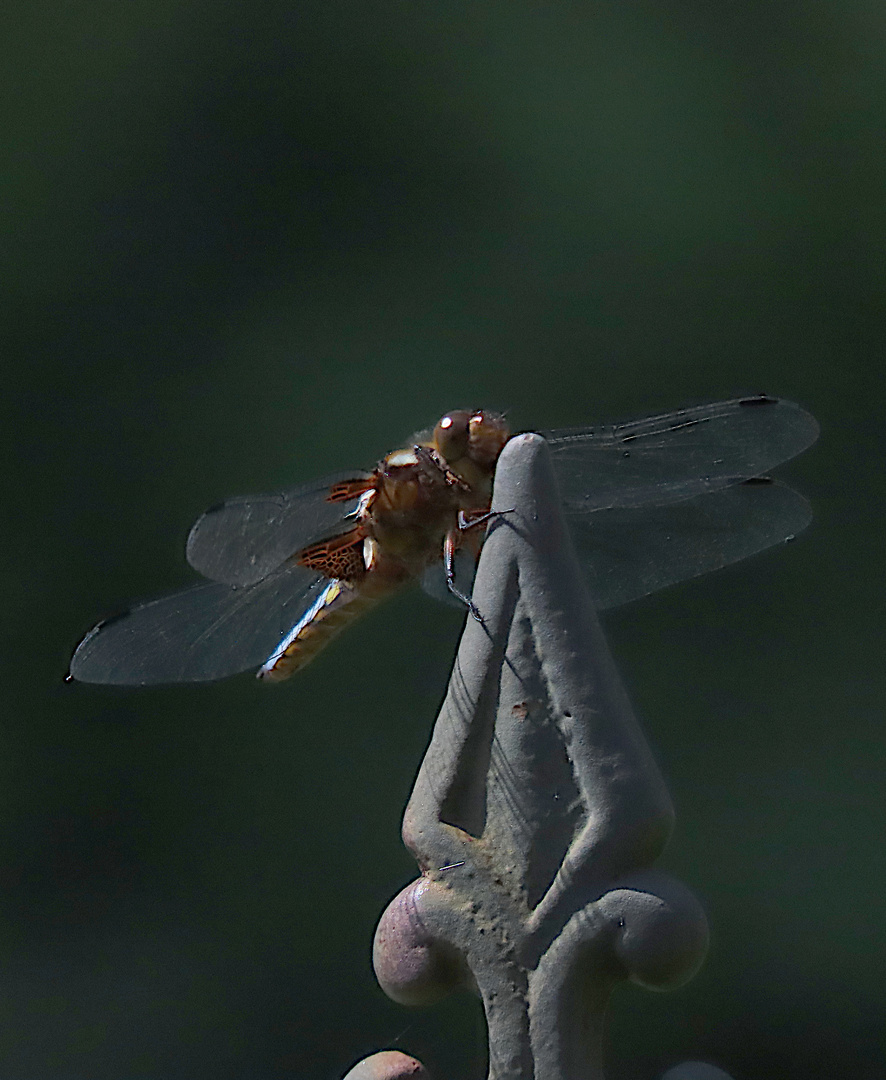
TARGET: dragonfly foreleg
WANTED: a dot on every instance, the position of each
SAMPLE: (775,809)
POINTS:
(466,521)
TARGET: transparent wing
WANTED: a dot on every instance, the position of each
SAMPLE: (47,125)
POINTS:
(242,540)
(197,635)
(678,455)
(629,552)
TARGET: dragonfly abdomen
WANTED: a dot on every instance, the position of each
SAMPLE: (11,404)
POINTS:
(336,607)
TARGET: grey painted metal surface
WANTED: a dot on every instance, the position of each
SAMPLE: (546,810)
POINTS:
(536,815)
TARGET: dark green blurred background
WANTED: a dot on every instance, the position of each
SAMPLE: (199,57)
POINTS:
(244,244)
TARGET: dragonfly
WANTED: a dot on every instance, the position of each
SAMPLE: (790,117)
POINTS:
(649,503)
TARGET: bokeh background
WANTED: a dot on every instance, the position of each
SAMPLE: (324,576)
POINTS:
(244,244)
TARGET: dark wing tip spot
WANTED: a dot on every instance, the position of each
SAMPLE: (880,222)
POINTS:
(759,399)
(758,480)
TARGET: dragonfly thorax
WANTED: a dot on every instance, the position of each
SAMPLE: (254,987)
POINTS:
(414,505)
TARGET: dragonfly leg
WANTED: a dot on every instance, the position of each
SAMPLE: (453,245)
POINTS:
(465,521)
(449,546)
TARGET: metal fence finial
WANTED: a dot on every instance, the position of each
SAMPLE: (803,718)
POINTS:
(536,815)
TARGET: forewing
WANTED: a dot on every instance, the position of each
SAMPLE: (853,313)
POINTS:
(242,540)
(630,552)
(197,635)
(678,455)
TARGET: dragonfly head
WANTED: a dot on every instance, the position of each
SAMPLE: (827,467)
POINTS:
(478,435)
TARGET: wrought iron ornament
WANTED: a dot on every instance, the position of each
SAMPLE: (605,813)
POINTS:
(536,816)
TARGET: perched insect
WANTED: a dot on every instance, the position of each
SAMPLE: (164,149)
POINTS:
(650,503)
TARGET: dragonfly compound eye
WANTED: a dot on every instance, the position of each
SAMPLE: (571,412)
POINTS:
(451,435)
(488,432)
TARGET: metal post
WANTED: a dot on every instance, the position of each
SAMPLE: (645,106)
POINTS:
(535,818)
